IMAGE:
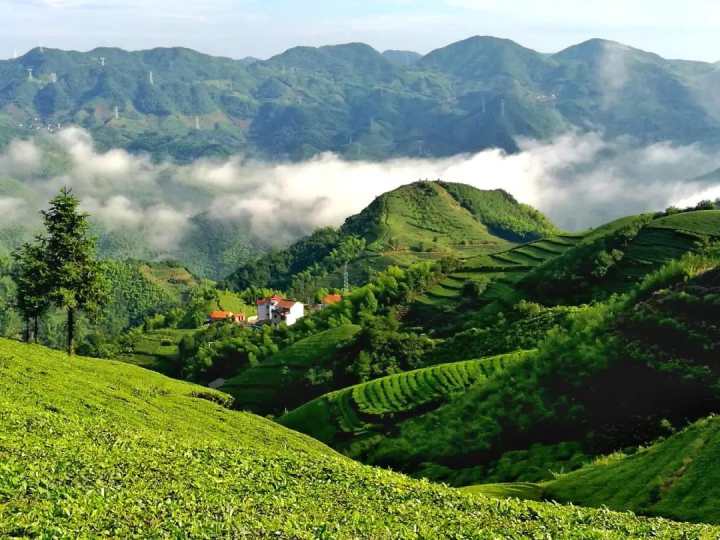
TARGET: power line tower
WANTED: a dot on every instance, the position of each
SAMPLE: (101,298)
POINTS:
(197,123)
(30,75)
(151,79)
(102,61)
(346,279)
(117,112)
(53,78)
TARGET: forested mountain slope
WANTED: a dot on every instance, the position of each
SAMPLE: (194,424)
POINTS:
(350,99)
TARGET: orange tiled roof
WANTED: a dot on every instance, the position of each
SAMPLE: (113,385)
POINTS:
(332,298)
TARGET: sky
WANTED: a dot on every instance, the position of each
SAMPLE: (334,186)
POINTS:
(262,28)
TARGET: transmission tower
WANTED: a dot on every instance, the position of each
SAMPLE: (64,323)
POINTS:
(346,278)
(151,80)
(30,75)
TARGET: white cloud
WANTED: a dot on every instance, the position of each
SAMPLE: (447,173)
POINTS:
(579,180)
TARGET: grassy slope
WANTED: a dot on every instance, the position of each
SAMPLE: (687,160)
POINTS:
(557,270)
(676,478)
(157,350)
(375,407)
(279,382)
(99,448)
(438,309)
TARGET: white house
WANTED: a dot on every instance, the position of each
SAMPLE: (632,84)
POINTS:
(277,309)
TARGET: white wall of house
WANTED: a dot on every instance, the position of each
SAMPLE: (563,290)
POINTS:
(270,312)
(297,311)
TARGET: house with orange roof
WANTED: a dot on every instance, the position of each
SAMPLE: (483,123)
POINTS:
(276,309)
(330,299)
(223,316)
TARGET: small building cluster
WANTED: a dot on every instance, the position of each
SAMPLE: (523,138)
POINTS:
(223,316)
(273,310)
(276,309)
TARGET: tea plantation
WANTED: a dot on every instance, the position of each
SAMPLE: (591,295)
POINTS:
(277,382)
(94,448)
(378,405)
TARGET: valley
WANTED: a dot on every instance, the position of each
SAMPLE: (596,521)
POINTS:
(354,291)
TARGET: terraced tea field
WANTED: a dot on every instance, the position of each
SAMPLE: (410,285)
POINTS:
(375,405)
(272,385)
(498,273)
(157,350)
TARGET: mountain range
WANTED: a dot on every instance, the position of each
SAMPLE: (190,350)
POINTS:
(350,99)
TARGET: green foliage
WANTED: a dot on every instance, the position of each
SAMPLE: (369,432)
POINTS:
(380,405)
(31,275)
(675,477)
(61,267)
(501,213)
(619,255)
(654,351)
(293,375)
(524,327)
(222,352)
(102,449)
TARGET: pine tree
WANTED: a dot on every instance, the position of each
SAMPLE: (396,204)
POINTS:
(76,279)
(30,274)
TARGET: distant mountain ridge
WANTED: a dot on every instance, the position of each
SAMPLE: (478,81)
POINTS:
(353,100)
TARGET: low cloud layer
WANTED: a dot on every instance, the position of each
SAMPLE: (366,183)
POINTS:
(578,180)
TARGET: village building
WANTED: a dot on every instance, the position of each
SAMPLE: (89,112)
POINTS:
(276,309)
(330,299)
(223,316)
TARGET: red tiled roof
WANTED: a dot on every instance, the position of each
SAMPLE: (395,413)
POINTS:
(281,302)
(220,315)
(332,298)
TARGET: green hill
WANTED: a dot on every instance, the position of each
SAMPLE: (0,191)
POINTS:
(419,221)
(563,269)
(675,478)
(281,382)
(358,414)
(604,377)
(98,448)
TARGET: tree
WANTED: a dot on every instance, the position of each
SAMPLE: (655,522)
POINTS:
(30,274)
(76,277)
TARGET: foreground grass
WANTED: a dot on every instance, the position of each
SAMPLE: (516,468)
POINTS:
(92,448)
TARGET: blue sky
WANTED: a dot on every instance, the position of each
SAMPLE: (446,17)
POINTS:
(240,28)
